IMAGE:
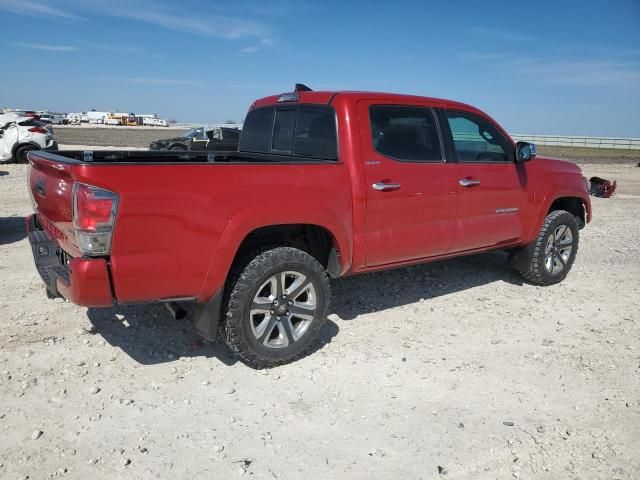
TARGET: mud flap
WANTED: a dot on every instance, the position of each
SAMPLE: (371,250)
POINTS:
(519,257)
(206,317)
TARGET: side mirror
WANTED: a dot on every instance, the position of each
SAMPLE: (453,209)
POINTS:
(525,151)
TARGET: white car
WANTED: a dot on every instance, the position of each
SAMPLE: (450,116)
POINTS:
(20,134)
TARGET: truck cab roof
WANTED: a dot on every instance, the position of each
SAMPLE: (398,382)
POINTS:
(331,96)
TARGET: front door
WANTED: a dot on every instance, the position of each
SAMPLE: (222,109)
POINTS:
(492,188)
(410,189)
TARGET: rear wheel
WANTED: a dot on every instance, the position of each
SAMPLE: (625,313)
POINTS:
(21,153)
(276,307)
(548,259)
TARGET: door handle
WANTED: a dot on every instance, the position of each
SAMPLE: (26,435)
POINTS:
(469,182)
(386,187)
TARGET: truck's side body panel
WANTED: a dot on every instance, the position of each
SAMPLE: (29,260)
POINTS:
(178,226)
(171,219)
(496,211)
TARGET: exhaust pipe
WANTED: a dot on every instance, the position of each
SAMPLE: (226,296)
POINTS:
(176,310)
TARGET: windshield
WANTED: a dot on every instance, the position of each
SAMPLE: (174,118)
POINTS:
(197,133)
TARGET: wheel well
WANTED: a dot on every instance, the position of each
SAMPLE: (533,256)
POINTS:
(19,145)
(572,205)
(177,146)
(317,241)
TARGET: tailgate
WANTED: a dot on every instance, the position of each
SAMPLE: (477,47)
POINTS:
(51,187)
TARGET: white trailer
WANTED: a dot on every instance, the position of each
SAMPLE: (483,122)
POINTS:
(75,118)
(155,122)
(96,117)
(151,120)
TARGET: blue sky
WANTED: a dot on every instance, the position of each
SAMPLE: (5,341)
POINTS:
(554,67)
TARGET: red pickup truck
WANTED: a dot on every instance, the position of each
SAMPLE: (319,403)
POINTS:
(324,184)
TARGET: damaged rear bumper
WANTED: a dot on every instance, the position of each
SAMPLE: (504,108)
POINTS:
(83,281)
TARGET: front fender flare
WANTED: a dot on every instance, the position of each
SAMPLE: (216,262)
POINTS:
(546,205)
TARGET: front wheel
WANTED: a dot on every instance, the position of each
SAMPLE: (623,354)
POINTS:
(276,307)
(548,259)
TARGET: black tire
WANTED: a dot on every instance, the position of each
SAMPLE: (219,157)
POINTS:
(534,261)
(21,153)
(178,148)
(242,327)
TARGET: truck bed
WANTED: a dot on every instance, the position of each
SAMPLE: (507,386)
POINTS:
(181,216)
(170,157)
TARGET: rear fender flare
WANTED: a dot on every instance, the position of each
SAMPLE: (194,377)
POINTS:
(252,218)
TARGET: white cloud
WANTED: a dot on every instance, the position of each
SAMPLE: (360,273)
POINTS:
(31,8)
(46,47)
(155,81)
(500,34)
(114,48)
(582,73)
(199,21)
(595,72)
(250,49)
(475,57)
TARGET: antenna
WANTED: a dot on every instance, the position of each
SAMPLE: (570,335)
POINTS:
(301,87)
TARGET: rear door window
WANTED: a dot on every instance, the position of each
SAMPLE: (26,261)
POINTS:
(407,134)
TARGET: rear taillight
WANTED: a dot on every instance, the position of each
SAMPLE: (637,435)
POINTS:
(94,214)
(38,130)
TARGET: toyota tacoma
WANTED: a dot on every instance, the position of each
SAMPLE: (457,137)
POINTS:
(323,185)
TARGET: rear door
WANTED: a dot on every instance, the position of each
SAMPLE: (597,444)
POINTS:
(492,187)
(411,193)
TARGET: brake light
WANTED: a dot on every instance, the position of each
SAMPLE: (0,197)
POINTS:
(94,213)
(38,130)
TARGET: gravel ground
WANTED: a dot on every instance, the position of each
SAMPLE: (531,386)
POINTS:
(449,370)
(116,137)
(598,156)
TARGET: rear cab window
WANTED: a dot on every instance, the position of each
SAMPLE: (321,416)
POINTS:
(256,132)
(305,131)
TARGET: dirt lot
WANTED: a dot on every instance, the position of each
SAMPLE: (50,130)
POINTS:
(450,370)
(116,137)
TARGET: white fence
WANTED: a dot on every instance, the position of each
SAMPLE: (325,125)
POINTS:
(591,142)
(186,125)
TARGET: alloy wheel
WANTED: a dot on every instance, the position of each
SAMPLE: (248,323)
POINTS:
(283,309)
(558,249)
